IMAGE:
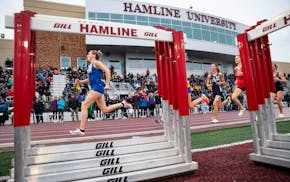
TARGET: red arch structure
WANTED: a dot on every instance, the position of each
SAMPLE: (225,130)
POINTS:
(269,146)
(171,69)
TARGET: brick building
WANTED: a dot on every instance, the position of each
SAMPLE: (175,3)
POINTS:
(53,47)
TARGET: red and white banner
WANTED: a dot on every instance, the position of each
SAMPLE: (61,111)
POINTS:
(269,26)
(93,27)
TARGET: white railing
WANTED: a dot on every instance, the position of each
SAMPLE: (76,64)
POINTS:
(117,89)
(58,85)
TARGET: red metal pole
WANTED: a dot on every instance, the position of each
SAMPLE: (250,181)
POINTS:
(164,72)
(248,73)
(183,84)
(173,73)
(22,69)
(263,64)
(183,105)
(175,77)
(159,51)
(264,69)
(268,63)
(158,66)
(258,71)
(170,72)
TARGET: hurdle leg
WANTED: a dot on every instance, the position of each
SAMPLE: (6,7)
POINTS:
(21,144)
(272,123)
(177,131)
(255,135)
(268,120)
(181,136)
(265,122)
(187,139)
(165,118)
(168,122)
(261,129)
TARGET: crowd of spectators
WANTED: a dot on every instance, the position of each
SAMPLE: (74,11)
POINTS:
(146,101)
(43,83)
(6,82)
(6,93)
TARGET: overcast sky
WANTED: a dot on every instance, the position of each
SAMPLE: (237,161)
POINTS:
(245,11)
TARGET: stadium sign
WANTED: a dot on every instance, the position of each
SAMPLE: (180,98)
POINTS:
(140,8)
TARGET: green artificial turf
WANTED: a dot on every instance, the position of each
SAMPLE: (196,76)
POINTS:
(5,163)
(229,135)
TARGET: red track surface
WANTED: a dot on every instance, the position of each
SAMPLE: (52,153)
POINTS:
(52,131)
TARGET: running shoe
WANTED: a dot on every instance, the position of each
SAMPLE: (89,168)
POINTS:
(281,116)
(214,120)
(77,132)
(205,99)
(241,113)
(126,104)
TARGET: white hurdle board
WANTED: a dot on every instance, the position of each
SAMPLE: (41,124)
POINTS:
(273,148)
(93,27)
(119,161)
(128,160)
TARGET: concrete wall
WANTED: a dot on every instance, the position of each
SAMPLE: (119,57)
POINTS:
(55,9)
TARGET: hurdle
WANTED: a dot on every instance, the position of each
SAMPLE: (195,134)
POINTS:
(135,159)
(254,48)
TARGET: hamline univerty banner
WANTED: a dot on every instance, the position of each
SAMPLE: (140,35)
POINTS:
(162,11)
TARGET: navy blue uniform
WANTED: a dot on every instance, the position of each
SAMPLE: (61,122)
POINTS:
(216,89)
(279,86)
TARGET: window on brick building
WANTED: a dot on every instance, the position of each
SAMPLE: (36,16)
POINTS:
(82,63)
(65,62)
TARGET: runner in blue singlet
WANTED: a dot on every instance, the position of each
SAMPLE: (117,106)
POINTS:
(97,89)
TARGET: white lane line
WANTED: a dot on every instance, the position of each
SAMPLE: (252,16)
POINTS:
(221,146)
